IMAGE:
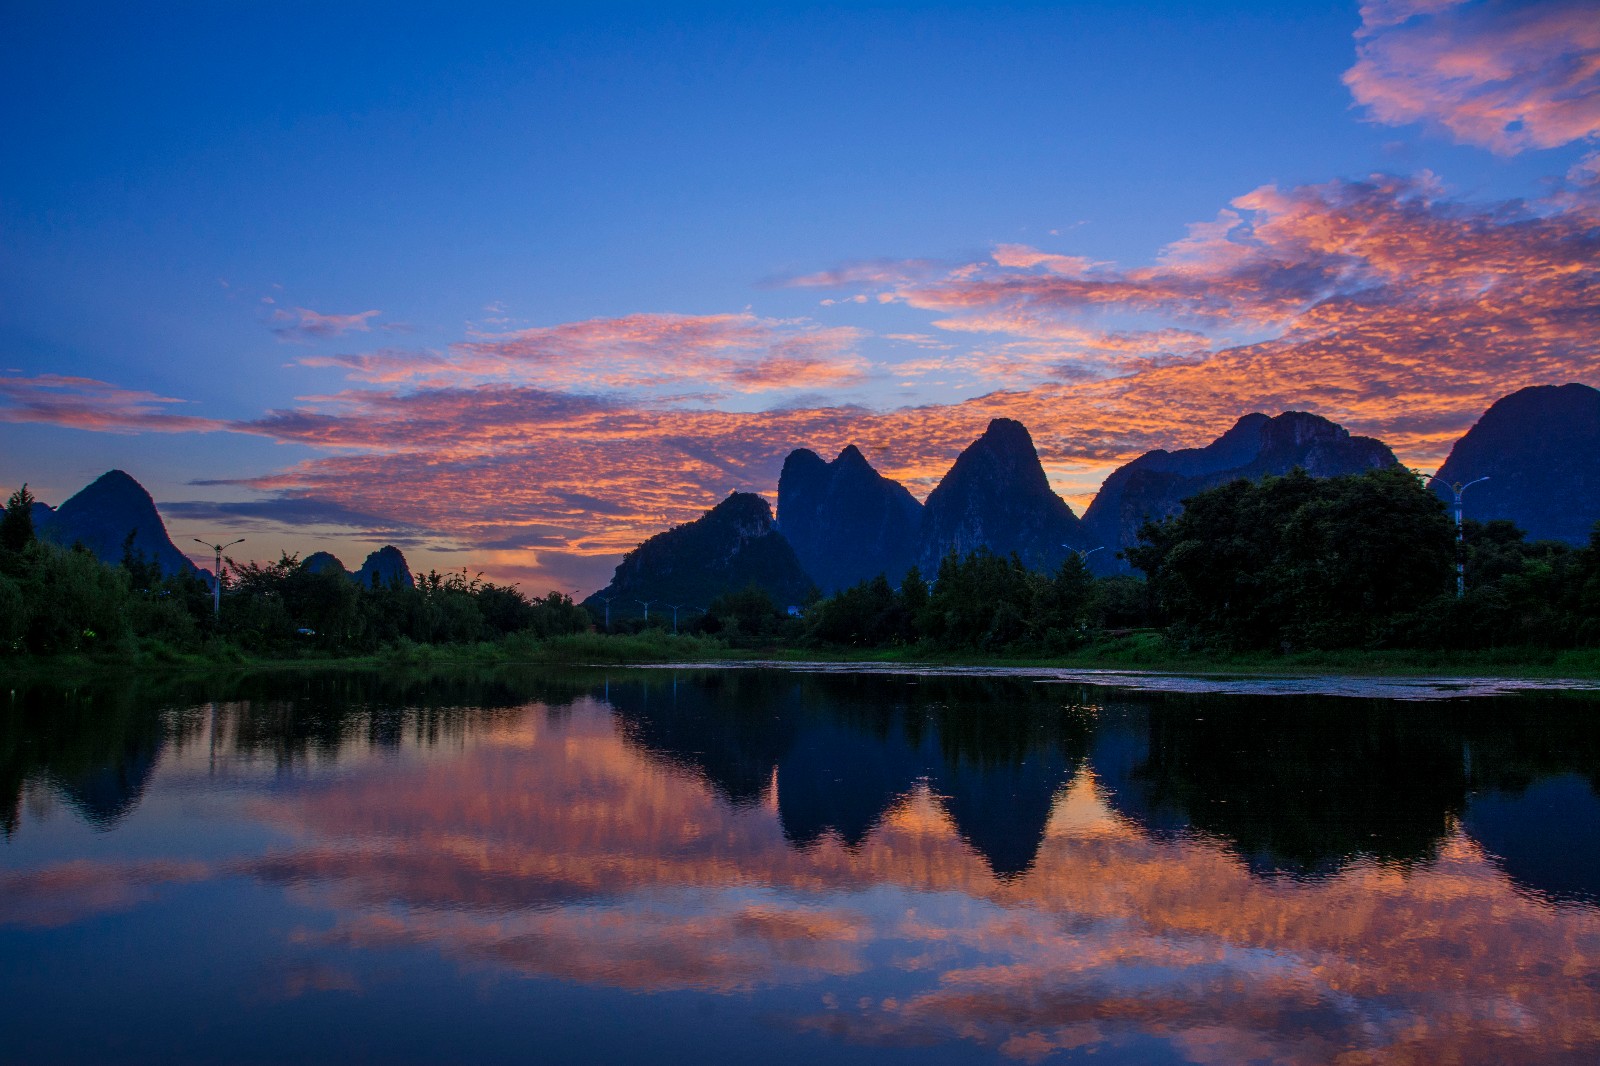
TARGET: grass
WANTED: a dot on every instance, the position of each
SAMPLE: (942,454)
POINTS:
(1140,650)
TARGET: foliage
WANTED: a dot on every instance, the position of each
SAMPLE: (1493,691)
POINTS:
(16,525)
(979,601)
(55,601)
(1297,561)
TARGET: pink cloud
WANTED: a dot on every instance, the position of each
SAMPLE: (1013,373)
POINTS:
(1503,76)
(649,353)
(1395,310)
(85,403)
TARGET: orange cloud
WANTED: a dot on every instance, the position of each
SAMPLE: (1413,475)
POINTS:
(1386,305)
(1504,76)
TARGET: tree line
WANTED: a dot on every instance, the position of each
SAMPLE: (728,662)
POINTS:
(1284,563)
(56,599)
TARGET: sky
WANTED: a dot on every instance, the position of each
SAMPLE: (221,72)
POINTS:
(516,288)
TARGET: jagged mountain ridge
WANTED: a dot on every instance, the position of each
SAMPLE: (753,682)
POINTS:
(996,496)
(846,522)
(1156,483)
(731,546)
(1540,449)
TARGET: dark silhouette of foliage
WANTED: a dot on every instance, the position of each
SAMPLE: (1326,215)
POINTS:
(16,526)
(1296,561)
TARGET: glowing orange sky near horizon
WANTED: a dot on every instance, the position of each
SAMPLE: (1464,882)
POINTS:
(1390,304)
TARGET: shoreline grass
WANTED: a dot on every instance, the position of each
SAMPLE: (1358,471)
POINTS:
(1138,651)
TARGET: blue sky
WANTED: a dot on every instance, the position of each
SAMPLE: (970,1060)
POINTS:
(198,201)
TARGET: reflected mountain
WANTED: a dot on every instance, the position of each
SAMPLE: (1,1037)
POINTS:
(97,748)
(1295,786)
(841,751)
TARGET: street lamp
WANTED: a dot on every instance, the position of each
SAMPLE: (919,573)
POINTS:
(607,601)
(646,610)
(216,584)
(1461,548)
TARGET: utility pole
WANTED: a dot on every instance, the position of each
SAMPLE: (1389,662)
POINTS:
(216,584)
(1461,545)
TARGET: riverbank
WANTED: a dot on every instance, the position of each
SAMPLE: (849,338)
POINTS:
(1141,651)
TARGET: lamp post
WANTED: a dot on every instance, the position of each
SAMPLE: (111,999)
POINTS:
(216,584)
(646,604)
(1461,547)
(607,601)
(675,607)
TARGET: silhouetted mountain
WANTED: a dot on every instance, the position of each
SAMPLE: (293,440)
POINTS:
(101,516)
(731,546)
(846,522)
(384,567)
(324,563)
(1156,484)
(1540,449)
(996,496)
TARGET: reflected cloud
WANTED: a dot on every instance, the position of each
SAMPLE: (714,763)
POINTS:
(70,892)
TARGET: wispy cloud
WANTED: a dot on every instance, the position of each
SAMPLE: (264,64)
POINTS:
(86,403)
(654,354)
(301,324)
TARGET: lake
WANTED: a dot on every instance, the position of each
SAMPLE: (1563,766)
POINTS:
(797,865)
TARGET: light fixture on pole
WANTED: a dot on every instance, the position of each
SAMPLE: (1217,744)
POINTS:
(1461,546)
(216,581)
(1082,554)
(646,610)
(607,601)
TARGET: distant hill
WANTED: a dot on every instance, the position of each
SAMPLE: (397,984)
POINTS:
(1156,483)
(846,522)
(997,496)
(733,545)
(1540,449)
(101,516)
(384,567)
(324,563)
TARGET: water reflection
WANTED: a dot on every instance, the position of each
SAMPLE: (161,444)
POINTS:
(879,862)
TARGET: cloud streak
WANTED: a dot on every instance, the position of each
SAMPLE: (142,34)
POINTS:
(86,403)
(651,354)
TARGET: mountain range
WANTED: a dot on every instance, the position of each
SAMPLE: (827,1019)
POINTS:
(842,522)
(115,514)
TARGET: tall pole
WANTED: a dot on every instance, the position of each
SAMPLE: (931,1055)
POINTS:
(646,610)
(216,584)
(1461,544)
(675,607)
(607,601)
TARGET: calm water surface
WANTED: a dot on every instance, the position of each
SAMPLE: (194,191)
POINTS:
(666,866)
